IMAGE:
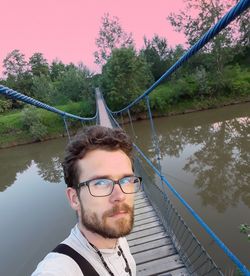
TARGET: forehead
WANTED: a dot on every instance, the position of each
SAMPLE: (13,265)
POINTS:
(96,163)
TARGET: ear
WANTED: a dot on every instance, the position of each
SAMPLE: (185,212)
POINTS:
(73,198)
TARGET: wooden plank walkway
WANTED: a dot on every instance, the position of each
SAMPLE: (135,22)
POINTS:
(151,247)
(103,115)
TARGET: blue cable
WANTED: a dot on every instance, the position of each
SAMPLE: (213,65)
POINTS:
(21,97)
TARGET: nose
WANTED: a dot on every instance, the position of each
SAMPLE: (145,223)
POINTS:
(117,193)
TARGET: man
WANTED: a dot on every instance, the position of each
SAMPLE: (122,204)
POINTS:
(95,162)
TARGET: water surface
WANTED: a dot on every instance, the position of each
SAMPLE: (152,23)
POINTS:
(205,156)
(35,215)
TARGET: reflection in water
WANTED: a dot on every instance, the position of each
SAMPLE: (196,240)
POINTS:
(221,164)
(220,155)
(50,171)
(16,160)
(35,215)
(206,156)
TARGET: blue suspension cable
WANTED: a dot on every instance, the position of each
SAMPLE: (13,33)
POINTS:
(240,7)
(21,97)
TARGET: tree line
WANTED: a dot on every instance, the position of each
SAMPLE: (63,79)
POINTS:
(219,69)
(54,84)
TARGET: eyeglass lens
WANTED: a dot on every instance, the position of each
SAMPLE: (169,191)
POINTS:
(102,187)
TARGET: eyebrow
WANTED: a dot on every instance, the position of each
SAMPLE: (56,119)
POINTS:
(108,176)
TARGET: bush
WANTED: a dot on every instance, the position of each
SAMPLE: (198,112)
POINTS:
(5,105)
(31,122)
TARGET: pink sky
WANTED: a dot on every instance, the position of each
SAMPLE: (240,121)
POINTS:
(67,29)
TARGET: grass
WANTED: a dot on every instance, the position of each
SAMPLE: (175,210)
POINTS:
(13,133)
(165,101)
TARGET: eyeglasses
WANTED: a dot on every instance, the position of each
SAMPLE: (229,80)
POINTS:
(104,187)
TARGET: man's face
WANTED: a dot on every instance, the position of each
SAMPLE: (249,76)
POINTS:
(110,216)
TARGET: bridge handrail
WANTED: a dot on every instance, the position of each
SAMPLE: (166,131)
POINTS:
(21,97)
(211,33)
(227,251)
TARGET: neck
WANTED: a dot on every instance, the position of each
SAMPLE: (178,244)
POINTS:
(97,240)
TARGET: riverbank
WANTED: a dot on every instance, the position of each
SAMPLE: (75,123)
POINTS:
(13,134)
(36,125)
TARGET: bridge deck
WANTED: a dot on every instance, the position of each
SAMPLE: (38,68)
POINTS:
(151,247)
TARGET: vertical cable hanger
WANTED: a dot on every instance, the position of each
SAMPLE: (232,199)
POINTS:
(122,121)
(131,123)
(66,126)
(83,124)
(155,143)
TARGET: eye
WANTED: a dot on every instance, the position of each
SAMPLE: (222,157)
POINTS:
(100,182)
(127,180)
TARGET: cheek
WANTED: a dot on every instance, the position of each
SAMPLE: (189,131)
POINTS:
(95,205)
(131,198)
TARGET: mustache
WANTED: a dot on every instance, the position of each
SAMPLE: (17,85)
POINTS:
(118,208)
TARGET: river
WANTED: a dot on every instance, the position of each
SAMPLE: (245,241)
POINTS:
(205,156)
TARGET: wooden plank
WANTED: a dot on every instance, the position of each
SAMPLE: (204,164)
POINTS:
(159,266)
(145,221)
(136,199)
(146,226)
(141,200)
(149,238)
(145,232)
(142,205)
(150,245)
(143,210)
(140,193)
(177,272)
(154,254)
(139,196)
(144,216)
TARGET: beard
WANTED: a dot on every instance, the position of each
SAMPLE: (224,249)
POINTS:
(106,228)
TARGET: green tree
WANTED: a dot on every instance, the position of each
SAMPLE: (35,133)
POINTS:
(125,76)
(157,54)
(14,64)
(57,68)
(18,75)
(74,85)
(196,18)
(39,65)
(111,36)
(43,89)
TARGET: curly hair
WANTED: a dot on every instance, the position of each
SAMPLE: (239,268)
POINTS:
(94,137)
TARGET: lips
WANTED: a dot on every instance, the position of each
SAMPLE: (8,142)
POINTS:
(118,210)
(118,213)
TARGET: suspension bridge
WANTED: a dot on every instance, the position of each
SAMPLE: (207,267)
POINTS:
(161,241)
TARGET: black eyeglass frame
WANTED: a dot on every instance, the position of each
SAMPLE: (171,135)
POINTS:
(86,183)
